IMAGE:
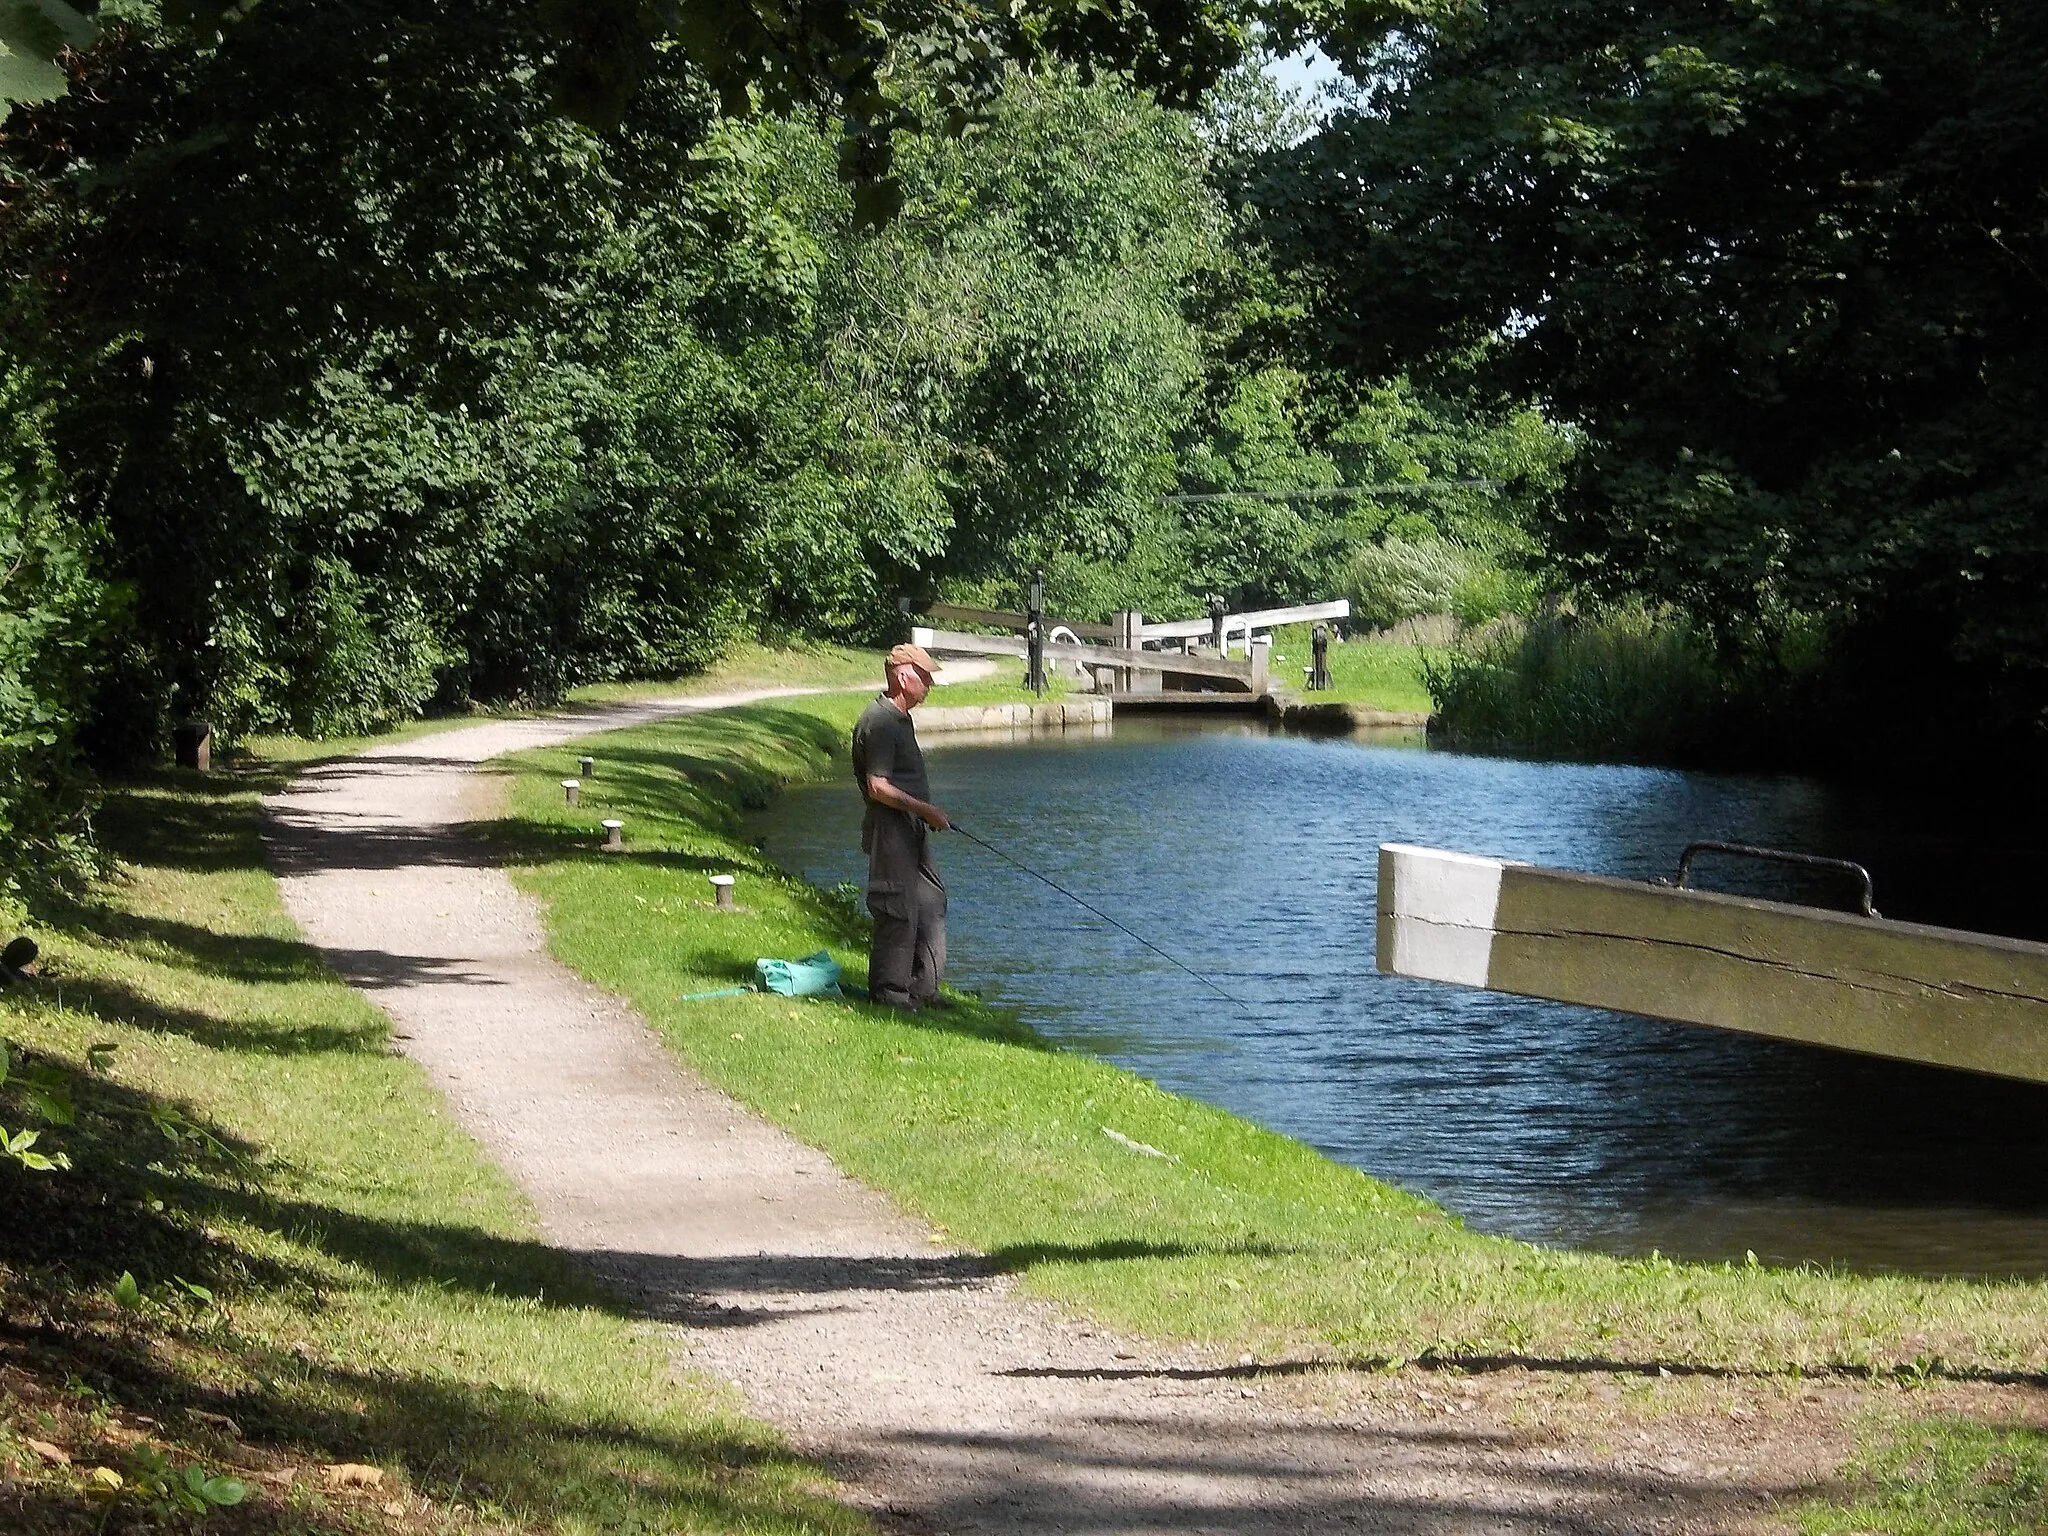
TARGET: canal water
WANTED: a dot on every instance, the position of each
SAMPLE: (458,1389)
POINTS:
(1252,855)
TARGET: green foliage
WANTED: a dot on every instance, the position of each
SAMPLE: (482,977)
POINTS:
(1441,549)
(53,613)
(1257,551)
(1779,263)
(17,1148)
(1395,580)
(33,34)
(1017,339)
(44,1091)
(506,407)
(500,407)
(881,69)
(163,1490)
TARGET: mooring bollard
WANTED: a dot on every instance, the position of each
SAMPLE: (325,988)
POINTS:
(587,766)
(573,788)
(721,892)
(614,835)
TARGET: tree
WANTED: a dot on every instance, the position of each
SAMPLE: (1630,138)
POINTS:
(381,378)
(424,390)
(1020,334)
(1782,261)
(873,64)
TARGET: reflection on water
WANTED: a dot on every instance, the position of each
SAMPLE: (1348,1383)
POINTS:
(1252,855)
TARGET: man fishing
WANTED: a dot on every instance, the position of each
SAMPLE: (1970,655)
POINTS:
(906,897)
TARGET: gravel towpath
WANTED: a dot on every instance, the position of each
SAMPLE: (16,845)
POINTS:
(944,1400)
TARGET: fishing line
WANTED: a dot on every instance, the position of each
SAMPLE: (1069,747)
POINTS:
(1206,981)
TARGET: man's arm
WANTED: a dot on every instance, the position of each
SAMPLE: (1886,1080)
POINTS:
(882,792)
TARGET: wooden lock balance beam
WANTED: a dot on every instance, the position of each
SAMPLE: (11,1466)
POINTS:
(1248,676)
(1940,996)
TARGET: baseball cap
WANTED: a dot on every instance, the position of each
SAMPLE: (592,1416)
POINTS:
(916,655)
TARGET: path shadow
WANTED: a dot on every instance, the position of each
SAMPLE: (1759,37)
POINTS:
(174,819)
(1116,1473)
(1022,1256)
(237,957)
(378,970)
(296,843)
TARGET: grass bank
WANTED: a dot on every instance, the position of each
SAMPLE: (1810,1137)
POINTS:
(337,1307)
(1154,1213)
(1377,674)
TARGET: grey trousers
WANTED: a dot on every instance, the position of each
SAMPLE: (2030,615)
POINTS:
(907,958)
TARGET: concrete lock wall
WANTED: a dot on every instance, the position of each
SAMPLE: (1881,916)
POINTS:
(1042,715)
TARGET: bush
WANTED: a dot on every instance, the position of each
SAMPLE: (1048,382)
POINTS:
(1401,578)
(52,614)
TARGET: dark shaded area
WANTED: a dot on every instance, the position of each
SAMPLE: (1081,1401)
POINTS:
(1796,314)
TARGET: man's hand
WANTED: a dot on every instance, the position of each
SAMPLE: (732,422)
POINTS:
(882,792)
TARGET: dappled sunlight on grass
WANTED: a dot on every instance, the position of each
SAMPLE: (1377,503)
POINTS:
(378,1292)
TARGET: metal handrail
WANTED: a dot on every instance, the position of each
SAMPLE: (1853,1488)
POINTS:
(1782,856)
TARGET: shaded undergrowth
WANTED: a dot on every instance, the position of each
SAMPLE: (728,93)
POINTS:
(1622,686)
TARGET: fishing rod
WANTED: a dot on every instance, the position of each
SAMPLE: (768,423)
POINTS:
(1206,981)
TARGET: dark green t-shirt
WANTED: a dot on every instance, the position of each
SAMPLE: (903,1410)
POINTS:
(885,744)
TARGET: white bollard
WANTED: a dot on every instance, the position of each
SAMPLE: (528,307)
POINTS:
(614,838)
(573,788)
(587,766)
(721,892)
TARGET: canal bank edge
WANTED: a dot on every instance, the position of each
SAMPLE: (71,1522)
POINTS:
(1089,713)
(1035,715)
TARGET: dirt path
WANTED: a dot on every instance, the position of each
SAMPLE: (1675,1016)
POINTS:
(945,1401)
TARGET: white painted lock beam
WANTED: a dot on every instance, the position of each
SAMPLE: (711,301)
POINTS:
(1940,996)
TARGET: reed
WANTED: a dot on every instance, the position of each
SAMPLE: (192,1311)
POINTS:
(1624,685)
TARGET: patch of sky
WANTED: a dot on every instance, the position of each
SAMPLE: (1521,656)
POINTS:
(1306,72)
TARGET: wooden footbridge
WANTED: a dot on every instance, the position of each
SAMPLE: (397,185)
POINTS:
(1852,981)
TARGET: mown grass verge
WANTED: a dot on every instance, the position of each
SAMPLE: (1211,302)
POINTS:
(327,1274)
(1153,1213)
(1941,1475)
(1375,673)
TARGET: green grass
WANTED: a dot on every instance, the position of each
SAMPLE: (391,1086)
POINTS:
(1235,1237)
(1372,673)
(381,1295)
(1945,1475)
(745,665)
(751,665)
